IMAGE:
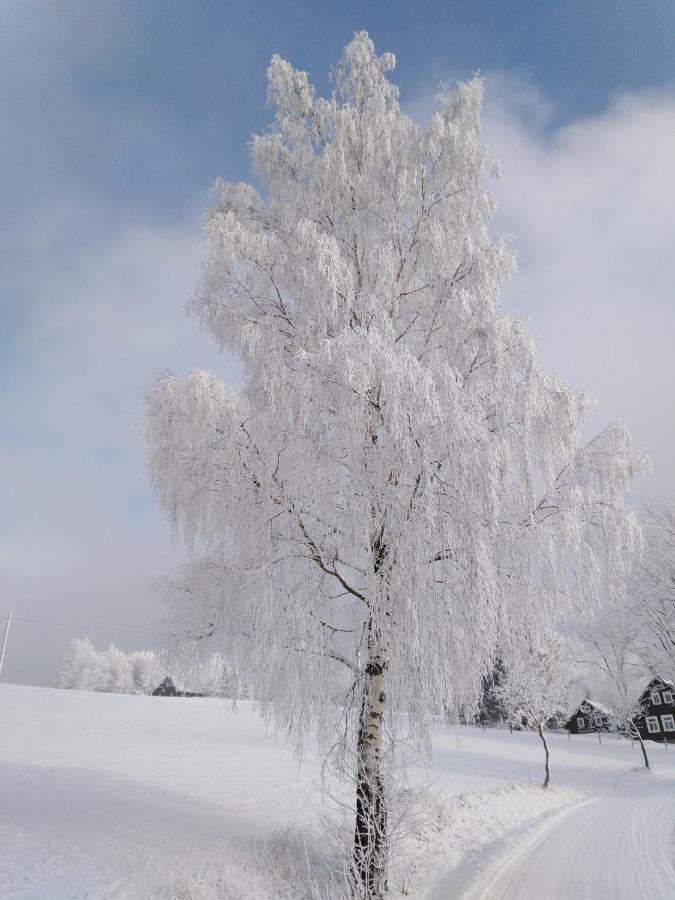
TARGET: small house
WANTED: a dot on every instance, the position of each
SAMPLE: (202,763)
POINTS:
(168,689)
(656,720)
(591,717)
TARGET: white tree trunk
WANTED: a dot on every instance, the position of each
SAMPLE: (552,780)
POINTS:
(370,837)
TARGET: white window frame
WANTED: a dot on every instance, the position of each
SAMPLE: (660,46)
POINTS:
(667,696)
(668,722)
(655,698)
(653,726)
(581,722)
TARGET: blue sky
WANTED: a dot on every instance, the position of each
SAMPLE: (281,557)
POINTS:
(118,116)
(138,104)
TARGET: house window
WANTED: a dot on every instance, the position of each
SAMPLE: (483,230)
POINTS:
(668,723)
(653,724)
(655,697)
(667,696)
(581,722)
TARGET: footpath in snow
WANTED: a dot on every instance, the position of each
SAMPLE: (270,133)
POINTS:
(118,797)
(618,846)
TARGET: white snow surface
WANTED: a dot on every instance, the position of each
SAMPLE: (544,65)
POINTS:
(117,796)
(615,847)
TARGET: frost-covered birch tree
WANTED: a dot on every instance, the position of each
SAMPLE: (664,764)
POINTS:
(398,483)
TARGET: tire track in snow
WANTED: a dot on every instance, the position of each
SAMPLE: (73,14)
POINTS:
(616,847)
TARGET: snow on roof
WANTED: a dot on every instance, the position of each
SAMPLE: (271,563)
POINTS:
(600,708)
(659,680)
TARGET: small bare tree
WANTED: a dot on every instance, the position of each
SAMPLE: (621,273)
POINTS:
(535,686)
(653,591)
(610,644)
(624,704)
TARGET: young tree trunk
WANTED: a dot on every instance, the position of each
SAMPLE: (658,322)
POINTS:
(642,747)
(547,779)
(370,836)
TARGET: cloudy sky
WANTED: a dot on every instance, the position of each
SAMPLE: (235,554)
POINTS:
(117,118)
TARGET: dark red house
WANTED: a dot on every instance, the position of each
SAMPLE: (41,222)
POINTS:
(168,689)
(591,717)
(656,721)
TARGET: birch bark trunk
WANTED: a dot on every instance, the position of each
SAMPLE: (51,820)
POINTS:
(370,837)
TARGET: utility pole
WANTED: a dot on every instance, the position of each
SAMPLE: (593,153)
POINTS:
(4,640)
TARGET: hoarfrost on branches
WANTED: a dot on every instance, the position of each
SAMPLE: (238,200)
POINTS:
(399,486)
(653,592)
(535,686)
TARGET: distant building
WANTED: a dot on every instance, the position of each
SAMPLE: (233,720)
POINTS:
(591,717)
(168,689)
(656,721)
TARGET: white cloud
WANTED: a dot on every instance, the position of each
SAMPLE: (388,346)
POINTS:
(592,209)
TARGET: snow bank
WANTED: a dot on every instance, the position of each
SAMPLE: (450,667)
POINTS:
(117,796)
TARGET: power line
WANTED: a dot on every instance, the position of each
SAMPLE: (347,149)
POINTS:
(4,640)
(87,627)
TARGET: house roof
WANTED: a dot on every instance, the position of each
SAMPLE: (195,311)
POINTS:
(658,680)
(597,706)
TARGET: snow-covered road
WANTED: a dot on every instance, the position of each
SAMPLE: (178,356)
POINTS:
(616,847)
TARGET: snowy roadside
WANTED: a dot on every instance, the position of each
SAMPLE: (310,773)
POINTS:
(475,828)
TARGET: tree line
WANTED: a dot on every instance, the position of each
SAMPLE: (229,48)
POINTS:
(141,671)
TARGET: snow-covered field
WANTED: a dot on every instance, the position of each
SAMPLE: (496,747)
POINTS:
(114,796)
